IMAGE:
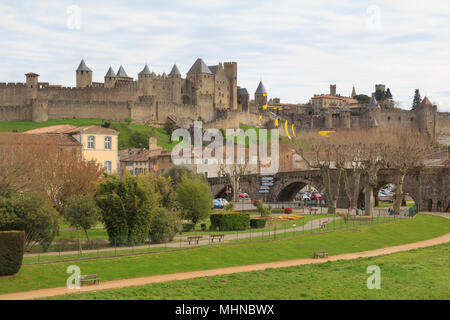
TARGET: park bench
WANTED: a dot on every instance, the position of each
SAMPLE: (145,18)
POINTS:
(324,224)
(221,237)
(313,210)
(320,254)
(196,239)
(93,278)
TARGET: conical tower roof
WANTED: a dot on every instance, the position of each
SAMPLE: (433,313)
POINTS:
(83,66)
(353,92)
(199,67)
(122,73)
(175,71)
(374,123)
(145,71)
(261,89)
(426,102)
(374,104)
(110,73)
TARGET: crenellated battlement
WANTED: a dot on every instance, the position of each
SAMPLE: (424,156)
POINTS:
(12,84)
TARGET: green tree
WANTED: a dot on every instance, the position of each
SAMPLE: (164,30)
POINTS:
(164,226)
(363,99)
(417,99)
(388,94)
(128,205)
(194,197)
(82,213)
(138,139)
(167,192)
(176,174)
(170,127)
(32,214)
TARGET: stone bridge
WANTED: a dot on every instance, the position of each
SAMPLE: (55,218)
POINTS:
(429,188)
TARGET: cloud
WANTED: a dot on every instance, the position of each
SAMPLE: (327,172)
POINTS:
(296,47)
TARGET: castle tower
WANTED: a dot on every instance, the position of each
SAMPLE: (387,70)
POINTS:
(353,92)
(346,117)
(175,80)
(145,82)
(110,78)
(427,115)
(231,72)
(373,110)
(122,75)
(332,90)
(202,82)
(84,75)
(32,84)
(261,95)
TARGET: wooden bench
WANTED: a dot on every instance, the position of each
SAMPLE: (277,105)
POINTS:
(196,239)
(221,237)
(324,224)
(320,254)
(313,210)
(93,278)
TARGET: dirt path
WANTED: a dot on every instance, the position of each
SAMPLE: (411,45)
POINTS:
(114,284)
(310,225)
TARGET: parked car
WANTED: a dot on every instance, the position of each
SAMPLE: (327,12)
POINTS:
(243,195)
(217,204)
(303,196)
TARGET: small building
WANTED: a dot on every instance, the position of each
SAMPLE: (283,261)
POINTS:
(140,161)
(98,144)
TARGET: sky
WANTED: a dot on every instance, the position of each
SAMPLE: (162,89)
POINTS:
(296,47)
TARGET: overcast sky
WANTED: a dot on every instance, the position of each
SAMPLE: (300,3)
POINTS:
(297,47)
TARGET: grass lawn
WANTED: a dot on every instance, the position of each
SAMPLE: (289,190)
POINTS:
(422,227)
(418,274)
(125,129)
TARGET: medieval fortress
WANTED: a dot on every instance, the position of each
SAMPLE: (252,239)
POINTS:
(210,93)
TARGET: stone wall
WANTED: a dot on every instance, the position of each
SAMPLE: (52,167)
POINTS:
(13,94)
(443,122)
(22,113)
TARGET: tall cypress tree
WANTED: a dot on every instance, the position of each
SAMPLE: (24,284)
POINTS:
(417,99)
(388,94)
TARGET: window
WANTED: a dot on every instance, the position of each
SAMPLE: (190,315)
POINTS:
(91,142)
(108,166)
(108,143)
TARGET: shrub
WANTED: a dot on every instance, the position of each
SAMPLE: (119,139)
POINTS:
(188,227)
(229,207)
(164,226)
(255,203)
(230,221)
(263,209)
(127,206)
(194,197)
(12,244)
(32,214)
(258,223)
(288,210)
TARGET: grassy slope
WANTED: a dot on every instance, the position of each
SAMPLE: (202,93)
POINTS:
(365,238)
(417,274)
(125,130)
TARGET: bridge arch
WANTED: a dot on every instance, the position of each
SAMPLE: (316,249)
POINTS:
(287,192)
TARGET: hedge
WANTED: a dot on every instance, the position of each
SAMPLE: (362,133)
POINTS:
(12,244)
(230,221)
(188,227)
(258,223)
